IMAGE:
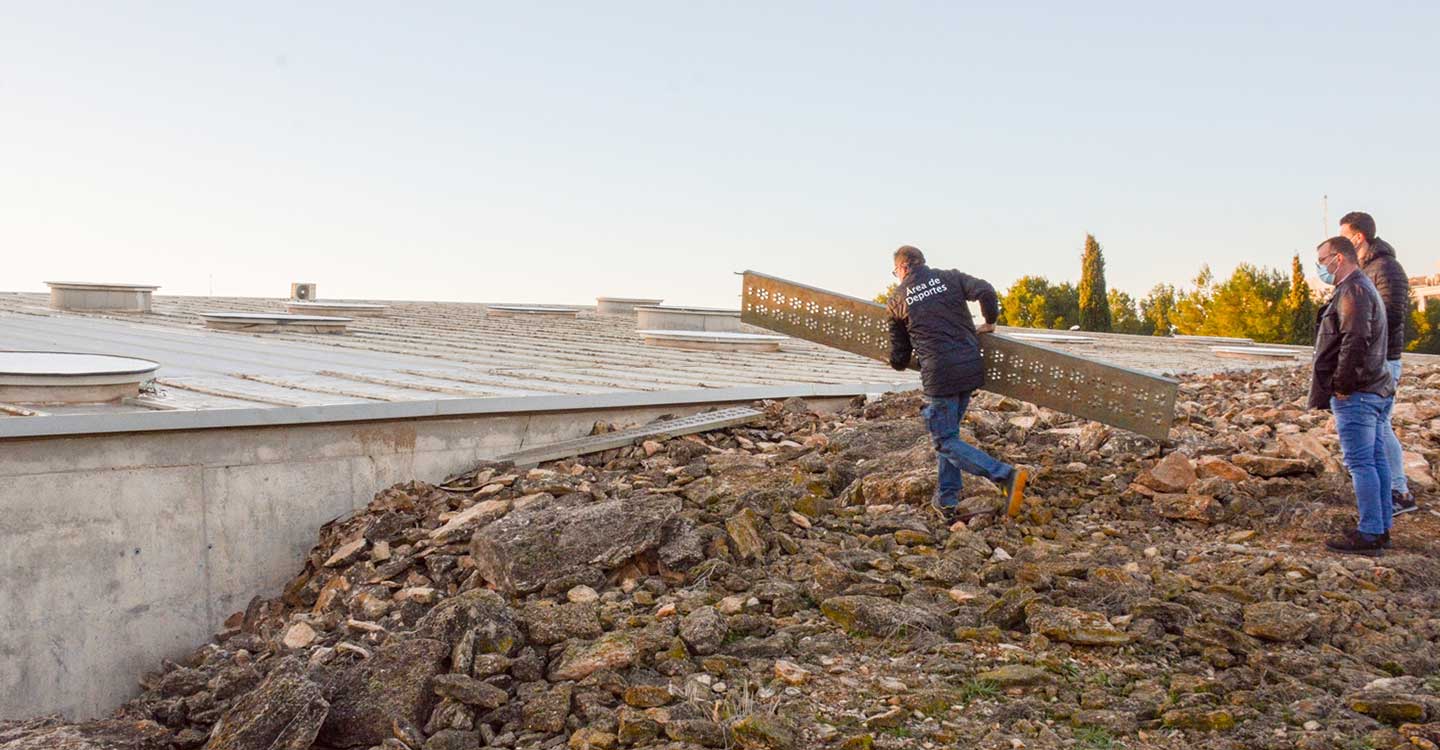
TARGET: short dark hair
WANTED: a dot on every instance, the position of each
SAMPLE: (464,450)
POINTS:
(1342,246)
(911,255)
(1361,222)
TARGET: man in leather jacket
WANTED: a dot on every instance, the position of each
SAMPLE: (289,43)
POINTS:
(1350,379)
(1377,260)
(930,320)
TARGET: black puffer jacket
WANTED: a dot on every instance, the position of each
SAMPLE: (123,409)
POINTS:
(1350,344)
(1389,278)
(929,317)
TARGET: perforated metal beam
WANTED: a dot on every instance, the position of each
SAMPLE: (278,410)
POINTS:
(1118,396)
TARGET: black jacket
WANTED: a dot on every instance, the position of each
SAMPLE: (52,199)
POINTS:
(1350,344)
(929,318)
(1394,286)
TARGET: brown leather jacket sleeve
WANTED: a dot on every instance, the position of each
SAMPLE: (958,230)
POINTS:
(1354,330)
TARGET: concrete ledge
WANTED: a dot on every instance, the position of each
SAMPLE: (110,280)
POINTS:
(667,318)
(86,295)
(713,341)
(522,311)
(621,305)
(1254,352)
(353,309)
(272,322)
(1225,340)
(1052,338)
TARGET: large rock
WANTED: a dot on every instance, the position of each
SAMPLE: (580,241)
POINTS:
(284,713)
(1016,675)
(1392,708)
(704,630)
(1009,610)
(394,685)
(1075,626)
(545,707)
(478,624)
(1271,466)
(761,732)
(1173,473)
(744,531)
(529,548)
(908,488)
(52,734)
(1307,447)
(548,624)
(874,615)
(470,691)
(1278,621)
(580,659)
(1202,508)
(1417,471)
(1214,467)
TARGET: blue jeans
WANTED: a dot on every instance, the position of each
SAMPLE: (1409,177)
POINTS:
(1393,455)
(953,455)
(1360,420)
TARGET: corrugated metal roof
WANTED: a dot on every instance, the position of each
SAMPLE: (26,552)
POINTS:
(419,351)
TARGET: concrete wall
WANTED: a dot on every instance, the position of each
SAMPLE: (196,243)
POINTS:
(120,549)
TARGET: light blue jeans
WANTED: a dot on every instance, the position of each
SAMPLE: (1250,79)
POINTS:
(1359,420)
(1393,455)
(953,455)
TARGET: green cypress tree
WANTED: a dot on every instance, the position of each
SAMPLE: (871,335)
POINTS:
(1094,302)
(1300,304)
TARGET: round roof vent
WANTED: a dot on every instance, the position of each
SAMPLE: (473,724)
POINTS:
(28,377)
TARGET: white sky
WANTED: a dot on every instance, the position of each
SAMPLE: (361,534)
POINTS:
(545,152)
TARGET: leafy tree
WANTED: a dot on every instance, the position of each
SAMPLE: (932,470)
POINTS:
(1300,303)
(1023,304)
(1249,304)
(1033,302)
(884,296)
(1425,328)
(1123,316)
(1158,309)
(1093,301)
(1191,307)
(1062,306)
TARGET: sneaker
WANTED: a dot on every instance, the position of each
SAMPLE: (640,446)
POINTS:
(1355,542)
(1014,490)
(1403,503)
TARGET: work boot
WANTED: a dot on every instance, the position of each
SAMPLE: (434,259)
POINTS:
(1013,488)
(1404,503)
(946,512)
(1356,542)
(1385,540)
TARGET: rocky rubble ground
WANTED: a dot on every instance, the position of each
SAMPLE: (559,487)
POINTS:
(782,585)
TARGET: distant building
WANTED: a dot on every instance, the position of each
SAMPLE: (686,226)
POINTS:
(1424,288)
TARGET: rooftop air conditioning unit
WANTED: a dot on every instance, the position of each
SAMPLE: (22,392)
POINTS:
(305,292)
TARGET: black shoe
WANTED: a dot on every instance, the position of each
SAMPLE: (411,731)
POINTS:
(1357,542)
(1385,540)
(1403,503)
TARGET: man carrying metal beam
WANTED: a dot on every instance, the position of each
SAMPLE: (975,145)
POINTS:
(930,319)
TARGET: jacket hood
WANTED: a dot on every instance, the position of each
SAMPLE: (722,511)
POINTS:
(1379,248)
